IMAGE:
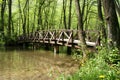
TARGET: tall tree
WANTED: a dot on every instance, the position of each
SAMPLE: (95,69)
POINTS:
(9,17)
(112,23)
(24,17)
(20,15)
(53,12)
(34,17)
(101,20)
(70,10)
(64,13)
(117,6)
(28,29)
(80,28)
(3,5)
(41,3)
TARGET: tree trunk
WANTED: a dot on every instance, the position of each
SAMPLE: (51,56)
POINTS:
(69,20)
(28,29)
(39,16)
(3,5)
(25,18)
(117,6)
(83,8)
(34,16)
(52,16)
(9,17)
(112,23)
(40,21)
(101,21)
(80,28)
(64,11)
(20,15)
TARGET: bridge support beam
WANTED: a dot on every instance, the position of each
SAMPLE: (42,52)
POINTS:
(47,47)
(69,50)
(33,46)
(25,45)
(56,49)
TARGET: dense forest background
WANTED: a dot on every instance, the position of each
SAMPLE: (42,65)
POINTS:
(21,17)
(24,16)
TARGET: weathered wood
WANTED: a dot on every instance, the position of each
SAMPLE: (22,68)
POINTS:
(56,49)
(58,37)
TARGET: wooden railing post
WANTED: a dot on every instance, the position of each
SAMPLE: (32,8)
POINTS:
(56,49)
(72,38)
(55,36)
(43,35)
(63,37)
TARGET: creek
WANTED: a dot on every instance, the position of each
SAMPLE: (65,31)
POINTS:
(35,65)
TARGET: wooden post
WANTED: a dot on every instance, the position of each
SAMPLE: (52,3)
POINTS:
(63,37)
(25,45)
(47,46)
(56,49)
(69,50)
(72,38)
(33,46)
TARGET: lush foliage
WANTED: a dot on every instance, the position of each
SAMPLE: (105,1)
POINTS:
(105,66)
(24,16)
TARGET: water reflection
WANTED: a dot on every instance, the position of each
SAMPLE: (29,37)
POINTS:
(34,65)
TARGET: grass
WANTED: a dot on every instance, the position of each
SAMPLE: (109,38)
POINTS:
(105,65)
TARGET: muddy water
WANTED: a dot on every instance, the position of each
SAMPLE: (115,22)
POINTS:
(34,65)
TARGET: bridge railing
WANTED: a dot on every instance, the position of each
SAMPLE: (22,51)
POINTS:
(58,36)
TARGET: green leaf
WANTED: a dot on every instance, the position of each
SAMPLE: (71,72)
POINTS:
(0,1)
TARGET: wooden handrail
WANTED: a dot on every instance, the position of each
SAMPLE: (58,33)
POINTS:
(60,37)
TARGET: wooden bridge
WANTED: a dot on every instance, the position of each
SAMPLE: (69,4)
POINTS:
(67,38)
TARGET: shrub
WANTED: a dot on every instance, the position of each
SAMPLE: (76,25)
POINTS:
(105,66)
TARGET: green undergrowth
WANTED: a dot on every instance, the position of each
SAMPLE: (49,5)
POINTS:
(104,65)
